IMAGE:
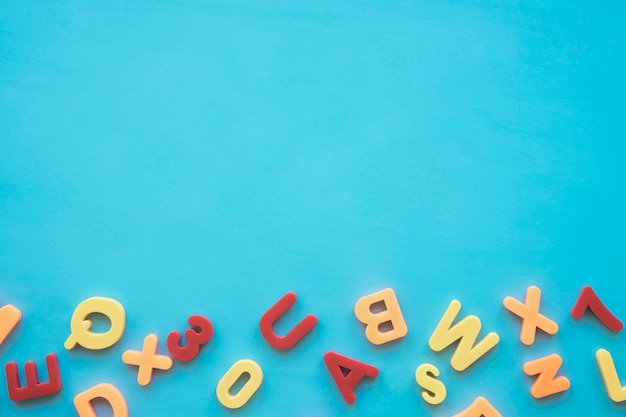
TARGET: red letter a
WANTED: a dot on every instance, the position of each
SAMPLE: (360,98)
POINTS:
(347,373)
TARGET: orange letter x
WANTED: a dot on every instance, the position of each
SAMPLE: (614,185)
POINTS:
(529,313)
(147,359)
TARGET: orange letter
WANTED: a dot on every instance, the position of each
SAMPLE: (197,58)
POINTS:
(147,359)
(373,321)
(529,313)
(479,408)
(546,368)
(82,401)
(9,317)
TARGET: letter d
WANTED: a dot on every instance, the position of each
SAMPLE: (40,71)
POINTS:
(112,395)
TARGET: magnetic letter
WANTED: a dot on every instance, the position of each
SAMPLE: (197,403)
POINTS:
(547,383)
(434,391)
(81,325)
(479,408)
(239,368)
(347,373)
(614,388)
(200,333)
(373,321)
(147,359)
(529,313)
(33,388)
(9,317)
(112,395)
(466,332)
(588,299)
(294,335)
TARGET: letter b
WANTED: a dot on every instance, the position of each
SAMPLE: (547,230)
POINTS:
(374,320)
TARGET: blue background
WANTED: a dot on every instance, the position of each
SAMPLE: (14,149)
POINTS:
(206,157)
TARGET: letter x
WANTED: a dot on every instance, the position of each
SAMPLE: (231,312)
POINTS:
(147,359)
(529,313)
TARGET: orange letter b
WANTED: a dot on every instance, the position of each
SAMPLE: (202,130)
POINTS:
(375,320)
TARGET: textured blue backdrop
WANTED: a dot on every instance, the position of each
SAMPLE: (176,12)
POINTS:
(206,157)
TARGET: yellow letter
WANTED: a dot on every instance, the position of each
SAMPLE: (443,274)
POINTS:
(466,332)
(615,390)
(82,401)
(80,326)
(392,314)
(239,368)
(434,390)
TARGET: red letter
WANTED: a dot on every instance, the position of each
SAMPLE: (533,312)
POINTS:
(347,373)
(33,387)
(195,338)
(589,299)
(274,313)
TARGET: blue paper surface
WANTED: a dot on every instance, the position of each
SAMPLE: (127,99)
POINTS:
(206,157)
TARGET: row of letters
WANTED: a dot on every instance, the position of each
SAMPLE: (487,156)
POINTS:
(381,314)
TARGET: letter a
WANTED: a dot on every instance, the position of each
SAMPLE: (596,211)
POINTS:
(479,408)
(466,332)
(112,395)
(373,321)
(347,373)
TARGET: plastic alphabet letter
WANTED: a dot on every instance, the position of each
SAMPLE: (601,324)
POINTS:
(294,335)
(479,408)
(10,316)
(614,389)
(434,391)
(373,321)
(547,383)
(529,313)
(82,401)
(200,333)
(347,373)
(147,359)
(81,325)
(466,332)
(33,388)
(239,368)
(588,299)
